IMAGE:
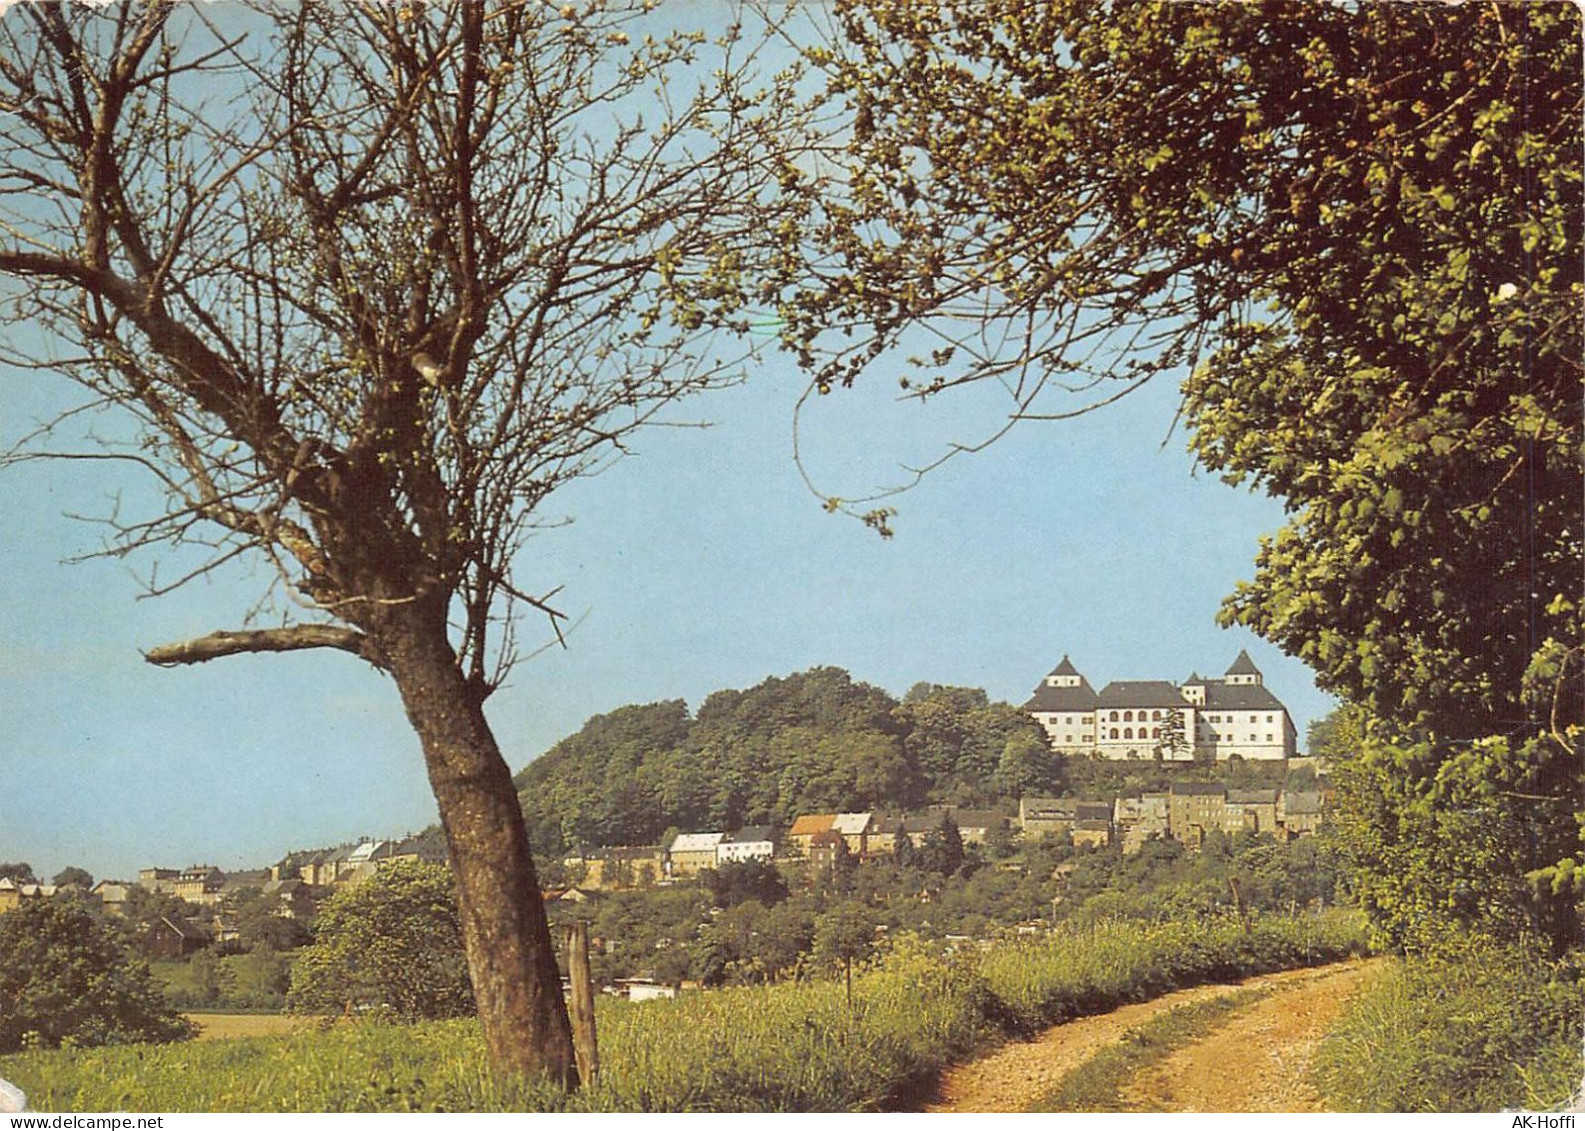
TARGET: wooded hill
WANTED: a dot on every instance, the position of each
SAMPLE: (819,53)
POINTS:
(813,742)
(817,741)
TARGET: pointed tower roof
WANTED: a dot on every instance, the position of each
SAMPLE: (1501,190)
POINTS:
(1243,665)
(1065,667)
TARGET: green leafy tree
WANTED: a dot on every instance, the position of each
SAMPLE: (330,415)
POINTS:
(261,928)
(393,941)
(736,882)
(66,978)
(73,877)
(942,850)
(843,935)
(21,872)
(1028,765)
(1360,228)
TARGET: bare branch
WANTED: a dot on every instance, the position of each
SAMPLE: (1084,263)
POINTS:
(292,638)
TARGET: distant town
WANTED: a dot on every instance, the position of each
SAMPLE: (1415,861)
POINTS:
(1203,720)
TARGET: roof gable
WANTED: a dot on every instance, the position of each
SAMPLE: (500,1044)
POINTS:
(696,842)
(1243,665)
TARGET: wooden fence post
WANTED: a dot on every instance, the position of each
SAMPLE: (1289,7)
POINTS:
(585,1046)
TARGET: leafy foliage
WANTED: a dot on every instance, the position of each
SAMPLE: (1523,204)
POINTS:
(1360,226)
(73,877)
(1439,842)
(66,979)
(392,942)
(736,882)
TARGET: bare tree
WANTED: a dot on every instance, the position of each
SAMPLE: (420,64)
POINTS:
(370,283)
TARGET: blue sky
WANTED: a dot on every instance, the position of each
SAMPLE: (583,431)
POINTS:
(701,562)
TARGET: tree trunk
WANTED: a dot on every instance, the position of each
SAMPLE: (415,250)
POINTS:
(507,937)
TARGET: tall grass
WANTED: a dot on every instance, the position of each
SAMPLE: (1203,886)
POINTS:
(789,1047)
(1480,1030)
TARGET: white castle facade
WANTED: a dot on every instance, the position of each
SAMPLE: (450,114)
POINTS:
(1208,719)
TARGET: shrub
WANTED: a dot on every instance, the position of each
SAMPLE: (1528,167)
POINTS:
(65,979)
(392,942)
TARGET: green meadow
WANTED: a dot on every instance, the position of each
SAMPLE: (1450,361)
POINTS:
(792,1046)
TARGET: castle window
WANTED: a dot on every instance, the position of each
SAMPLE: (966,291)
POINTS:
(1114,732)
(1128,716)
(1155,732)
(1155,716)
(1114,719)
(1128,732)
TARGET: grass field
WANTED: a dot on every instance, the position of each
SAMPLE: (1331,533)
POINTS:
(787,1047)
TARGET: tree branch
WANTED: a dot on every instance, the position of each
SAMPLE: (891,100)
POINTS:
(288,639)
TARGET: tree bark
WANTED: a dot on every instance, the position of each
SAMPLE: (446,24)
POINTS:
(511,959)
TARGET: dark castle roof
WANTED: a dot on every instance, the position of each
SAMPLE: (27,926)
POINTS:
(1243,665)
(1048,698)
(1239,697)
(1141,693)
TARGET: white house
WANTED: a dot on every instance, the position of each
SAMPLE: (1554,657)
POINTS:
(752,842)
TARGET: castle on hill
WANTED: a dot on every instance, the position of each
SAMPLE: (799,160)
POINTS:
(1205,719)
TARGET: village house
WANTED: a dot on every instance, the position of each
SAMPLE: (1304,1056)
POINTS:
(171,938)
(806,828)
(976,825)
(1137,819)
(752,842)
(854,828)
(159,879)
(112,895)
(426,847)
(1299,812)
(1046,816)
(12,893)
(625,866)
(826,847)
(1250,810)
(1194,809)
(202,884)
(692,853)
(291,899)
(1092,833)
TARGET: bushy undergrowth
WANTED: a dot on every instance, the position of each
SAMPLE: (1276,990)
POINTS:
(788,1047)
(1482,1029)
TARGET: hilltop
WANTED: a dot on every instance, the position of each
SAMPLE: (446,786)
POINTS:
(814,741)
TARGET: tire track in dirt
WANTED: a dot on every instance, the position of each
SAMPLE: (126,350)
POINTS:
(1018,1074)
(1259,1061)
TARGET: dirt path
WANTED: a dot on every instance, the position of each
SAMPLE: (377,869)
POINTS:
(1256,1061)
(1259,1060)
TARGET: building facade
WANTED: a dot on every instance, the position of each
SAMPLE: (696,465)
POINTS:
(1205,719)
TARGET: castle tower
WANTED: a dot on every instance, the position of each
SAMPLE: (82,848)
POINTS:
(1064,675)
(1244,673)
